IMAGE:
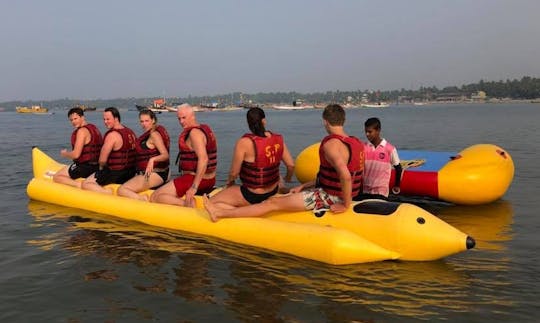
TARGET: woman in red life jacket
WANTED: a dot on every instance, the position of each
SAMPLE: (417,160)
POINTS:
(257,157)
(86,143)
(152,159)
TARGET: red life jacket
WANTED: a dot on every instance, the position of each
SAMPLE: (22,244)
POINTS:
(144,154)
(123,158)
(264,171)
(328,178)
(188,158)
(90,151)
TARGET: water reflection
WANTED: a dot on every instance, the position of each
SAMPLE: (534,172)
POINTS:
(490,224)
(124,242)
(192,281)
(255,292)
(261,285)
(404,288)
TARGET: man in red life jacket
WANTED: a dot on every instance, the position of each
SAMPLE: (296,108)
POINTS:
(197,147)
(86,144)
(339,179)
(117,155)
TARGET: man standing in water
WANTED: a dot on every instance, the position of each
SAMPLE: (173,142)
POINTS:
(339,179)
(117,156)
(86,143)
(197,164)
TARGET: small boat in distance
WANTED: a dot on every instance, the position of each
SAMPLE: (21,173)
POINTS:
(35,109)
(85,108)
(158,106)
(375,105)
(248,105)
(297,105)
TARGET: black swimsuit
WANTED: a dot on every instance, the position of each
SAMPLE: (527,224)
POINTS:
(254,198)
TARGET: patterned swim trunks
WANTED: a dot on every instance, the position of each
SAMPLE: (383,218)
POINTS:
(319,201)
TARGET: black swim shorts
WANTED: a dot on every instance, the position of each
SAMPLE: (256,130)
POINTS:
(107,176)
(82,170)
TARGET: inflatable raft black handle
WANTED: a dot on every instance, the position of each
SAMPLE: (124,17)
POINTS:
(470,243)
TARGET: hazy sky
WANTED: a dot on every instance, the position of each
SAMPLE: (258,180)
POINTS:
(111,49)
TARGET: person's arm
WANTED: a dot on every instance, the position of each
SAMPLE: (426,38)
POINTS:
(198,144)
(289,163)
(80,140)
(112,140)
(157,141)
(398,170)
(239,155)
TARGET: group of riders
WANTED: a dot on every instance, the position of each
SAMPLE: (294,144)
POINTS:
(142,163)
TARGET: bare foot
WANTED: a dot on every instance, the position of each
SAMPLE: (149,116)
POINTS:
(144,197)
(210,208)
(188,204)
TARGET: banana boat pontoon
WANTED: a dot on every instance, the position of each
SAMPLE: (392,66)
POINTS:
(369,231)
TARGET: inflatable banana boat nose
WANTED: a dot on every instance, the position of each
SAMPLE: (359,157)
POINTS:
(406,229)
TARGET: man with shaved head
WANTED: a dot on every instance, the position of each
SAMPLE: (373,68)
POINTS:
(197,162)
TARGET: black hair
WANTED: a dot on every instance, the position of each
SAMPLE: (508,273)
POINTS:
(114,112)
(254,119)
(76,110)
(373,123)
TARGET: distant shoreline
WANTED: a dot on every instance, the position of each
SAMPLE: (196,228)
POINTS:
(392,104)
(489,101)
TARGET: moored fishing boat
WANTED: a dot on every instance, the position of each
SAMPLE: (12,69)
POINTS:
(375,105)
(296,105)
(35,109)
(158,106)
(369,231)
(288,107)
(85,108)
(479,174)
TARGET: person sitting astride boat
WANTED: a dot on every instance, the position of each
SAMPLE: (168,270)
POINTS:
(197,162)
(257,156)
(86,144)
(117,156)
(152,159)
(339,179)
(381,156)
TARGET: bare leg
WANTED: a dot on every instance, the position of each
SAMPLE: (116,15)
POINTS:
(229,198)
(90,184)
(292,202)
(166,194)
(62,177)
(138,184)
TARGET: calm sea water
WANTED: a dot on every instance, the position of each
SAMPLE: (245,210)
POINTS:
(60,264)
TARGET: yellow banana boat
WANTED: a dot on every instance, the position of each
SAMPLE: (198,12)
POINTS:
(479,174)
(369,231)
